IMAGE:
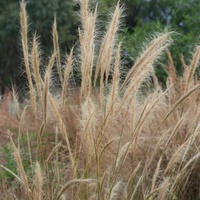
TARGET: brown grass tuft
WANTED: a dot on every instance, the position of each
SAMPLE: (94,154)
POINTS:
(110,138)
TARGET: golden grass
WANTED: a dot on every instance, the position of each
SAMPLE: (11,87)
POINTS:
(106,139)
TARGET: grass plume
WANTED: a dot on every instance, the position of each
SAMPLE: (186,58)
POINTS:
(113,137)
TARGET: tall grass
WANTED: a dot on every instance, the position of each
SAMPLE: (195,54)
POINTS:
(106,139)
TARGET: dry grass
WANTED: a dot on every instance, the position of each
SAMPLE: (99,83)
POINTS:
(104,140)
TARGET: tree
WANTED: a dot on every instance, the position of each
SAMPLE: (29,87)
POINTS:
(41,15)
(148,16)
(142,17)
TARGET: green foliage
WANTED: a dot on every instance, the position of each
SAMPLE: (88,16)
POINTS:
(41,14)
(142,17)
(7,152)
(8,40)
(10,162)
(146,17)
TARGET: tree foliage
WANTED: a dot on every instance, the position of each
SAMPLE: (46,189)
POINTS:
(41,14)
(181,16)
(142,17)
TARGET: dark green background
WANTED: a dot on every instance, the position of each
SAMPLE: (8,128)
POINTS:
(142,18)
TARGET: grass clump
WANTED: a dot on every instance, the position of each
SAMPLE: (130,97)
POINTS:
(104,139)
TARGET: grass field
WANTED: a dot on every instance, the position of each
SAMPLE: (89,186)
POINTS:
(116,135)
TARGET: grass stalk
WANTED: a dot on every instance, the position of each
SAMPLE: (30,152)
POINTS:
(24,38)
(57,51)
